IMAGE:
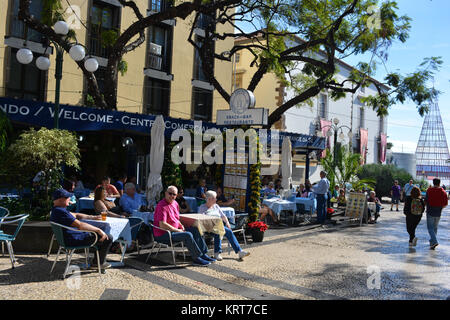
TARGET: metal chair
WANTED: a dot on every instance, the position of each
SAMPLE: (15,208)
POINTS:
(238,227)
(160,244)
(4,212)
(301,210)
(59,234)
(285,213)
(135,225)
(9,238)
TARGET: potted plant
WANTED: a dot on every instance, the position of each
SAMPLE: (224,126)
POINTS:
(257,229)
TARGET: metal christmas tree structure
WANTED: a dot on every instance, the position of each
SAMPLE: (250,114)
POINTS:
(432,151)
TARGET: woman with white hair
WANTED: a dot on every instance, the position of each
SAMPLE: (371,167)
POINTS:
(211,208)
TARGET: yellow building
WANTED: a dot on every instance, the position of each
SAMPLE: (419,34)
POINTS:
(162,76)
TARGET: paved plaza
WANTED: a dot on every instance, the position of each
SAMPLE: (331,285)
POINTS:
(336,262)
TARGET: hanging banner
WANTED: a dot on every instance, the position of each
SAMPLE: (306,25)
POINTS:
(383,144)
(364,138)
(325,125)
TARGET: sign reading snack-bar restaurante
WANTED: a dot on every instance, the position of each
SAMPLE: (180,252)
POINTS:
(242,110)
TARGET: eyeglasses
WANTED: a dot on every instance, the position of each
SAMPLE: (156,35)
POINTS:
(172,194)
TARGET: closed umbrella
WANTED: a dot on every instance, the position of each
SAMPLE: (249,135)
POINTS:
(286,165)
(154,183)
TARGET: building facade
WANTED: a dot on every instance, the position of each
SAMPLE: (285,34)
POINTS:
(311,119)
(163,74)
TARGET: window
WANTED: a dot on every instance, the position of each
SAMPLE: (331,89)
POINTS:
(198,63)
(159,5)
(103,24)
(361,118)
(202,104)
(159,50)
(156,98)
(25,81)
(237,57)
(17,27)
(323,106)
(381,124)
(238,81)
(204,21)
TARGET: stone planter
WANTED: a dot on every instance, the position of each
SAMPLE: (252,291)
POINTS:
(33,237)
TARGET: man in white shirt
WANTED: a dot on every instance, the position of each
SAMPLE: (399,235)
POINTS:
(321,191)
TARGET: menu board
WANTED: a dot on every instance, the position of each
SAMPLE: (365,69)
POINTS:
(356,207)
(235,181)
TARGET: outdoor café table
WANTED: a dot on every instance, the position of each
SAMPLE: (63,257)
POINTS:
(229,213)
(204,223)
(118,228)
(310,204)
(146,216)
(88,203)
(277,205)
(192,201)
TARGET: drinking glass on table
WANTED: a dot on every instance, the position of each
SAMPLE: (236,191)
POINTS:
(104,213)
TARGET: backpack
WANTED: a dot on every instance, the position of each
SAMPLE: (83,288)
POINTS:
(145,235)
(416,207)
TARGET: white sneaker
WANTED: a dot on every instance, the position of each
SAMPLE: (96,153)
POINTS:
(243,254)
(414,242)
(218,257)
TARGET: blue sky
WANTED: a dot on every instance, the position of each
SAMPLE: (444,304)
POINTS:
(429,36)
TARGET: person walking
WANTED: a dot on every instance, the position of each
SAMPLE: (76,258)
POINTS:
(395,194)
(321,192)
(413,210)
(436,200)
(407,189)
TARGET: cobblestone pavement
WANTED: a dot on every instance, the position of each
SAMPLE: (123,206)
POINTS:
(336,262)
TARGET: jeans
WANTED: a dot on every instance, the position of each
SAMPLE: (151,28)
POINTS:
(191,239)
(231,238)
(412,221)
(321,208)
(432,225)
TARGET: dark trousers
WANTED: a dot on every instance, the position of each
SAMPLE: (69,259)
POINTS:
(321,208)
(103,247)
(412,221)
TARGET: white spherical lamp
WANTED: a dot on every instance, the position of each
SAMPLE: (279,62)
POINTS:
(77,52)
(24,56)
(43,63)
(61,27)
(91,64)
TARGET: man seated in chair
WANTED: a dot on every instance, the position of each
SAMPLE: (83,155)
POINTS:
(62,216)
(222,201)
(131,200)
(167,217)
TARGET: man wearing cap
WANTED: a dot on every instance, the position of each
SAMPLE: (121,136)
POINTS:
(321,191)
(62,216)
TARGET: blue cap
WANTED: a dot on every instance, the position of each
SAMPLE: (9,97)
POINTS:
(61,193)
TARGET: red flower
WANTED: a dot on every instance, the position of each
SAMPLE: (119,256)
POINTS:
(258,225)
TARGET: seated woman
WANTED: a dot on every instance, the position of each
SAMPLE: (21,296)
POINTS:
(264,211)
(300,190)
(373,198)
(342,202)
(211,208)
(184,205)
(103,205)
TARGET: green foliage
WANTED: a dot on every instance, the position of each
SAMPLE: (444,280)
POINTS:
(35,151)
(385,176)
(109,37)
(345,169)
(122,67)
(5,129)
(51,12)
(171,173)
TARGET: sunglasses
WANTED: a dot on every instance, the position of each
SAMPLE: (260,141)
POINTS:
(172,194)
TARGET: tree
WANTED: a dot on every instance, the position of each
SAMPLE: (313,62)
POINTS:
(309,36)
(41,151)
(5,128)
(119,44)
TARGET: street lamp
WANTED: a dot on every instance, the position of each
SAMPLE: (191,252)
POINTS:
(336,131)
(77,52)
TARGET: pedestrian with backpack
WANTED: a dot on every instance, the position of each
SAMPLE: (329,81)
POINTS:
(413,209)
(436,200)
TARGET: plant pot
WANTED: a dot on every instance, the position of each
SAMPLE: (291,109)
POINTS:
(257,235)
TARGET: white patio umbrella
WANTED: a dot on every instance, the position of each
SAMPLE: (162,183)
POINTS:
(286,165)
(154,183)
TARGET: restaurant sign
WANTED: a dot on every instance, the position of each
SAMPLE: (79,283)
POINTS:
(242,110)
